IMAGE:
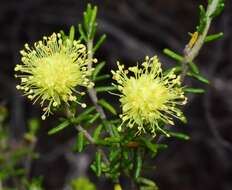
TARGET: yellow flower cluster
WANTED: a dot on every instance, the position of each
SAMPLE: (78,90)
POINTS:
(148,97)
(51,71)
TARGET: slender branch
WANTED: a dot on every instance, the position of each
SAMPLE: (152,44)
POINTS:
(92,92)
(190,53)
(92,141)
(86,134)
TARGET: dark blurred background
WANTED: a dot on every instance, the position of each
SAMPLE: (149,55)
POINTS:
(134,28)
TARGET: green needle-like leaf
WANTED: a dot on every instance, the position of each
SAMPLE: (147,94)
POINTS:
(107,106)
(99,42)
(214,37)
(59,127)
(194,90)
(98,163)
(80,141)
(98,69)
(72,33)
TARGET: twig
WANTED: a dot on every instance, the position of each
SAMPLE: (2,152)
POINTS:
(92,92)
(88,137)
(86,134)
(190,53)
(92,141)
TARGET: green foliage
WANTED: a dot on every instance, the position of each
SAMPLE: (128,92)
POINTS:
(107,106)
(219,9)
(88,29)
(99,42)
(126,150)
(82,183)
(194,90)
(214,37)
(35,184)
(33,127)
(98,69)
(194,70)
(12,158)
(60,127)
(80,142)
(179,135)
(147,184)
(199,77)
(72,33)
(173,55)
(105,88)
(202,19)
(138,163)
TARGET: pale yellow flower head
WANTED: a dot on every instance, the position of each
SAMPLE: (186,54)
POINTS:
(148,97)
(51,71)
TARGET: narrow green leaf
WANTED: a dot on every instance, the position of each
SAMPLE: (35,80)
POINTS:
(177,70)
(161,146)
(194,90)
(92,24)
(82,33)
(112,139)
(83,115)
(149,145)
(80,141)
(147,188)
(102,77)
(33,125)
(194,68)
(147,182)
(107,106)
(94,118)
(93,167)
(97,132)
(198,77)
(102,142)
(87,111)
(59,127)
(105,88)
(115,130)
(87,15)
(78,120)
(98,69)
(98,163)
(213,37)
(72,33)
(138,163)
(94,30)
(63,35)
(173,55)
(203,19)
(115,121)
(99,42)
(114,154)
(219,9)
(179,58)
(179,135)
